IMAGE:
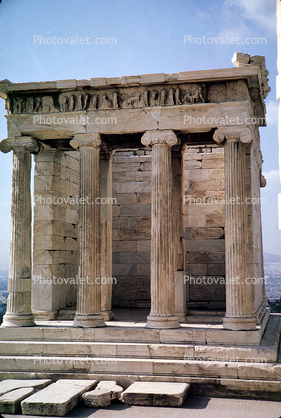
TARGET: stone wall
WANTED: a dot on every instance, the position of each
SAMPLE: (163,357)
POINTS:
(256,273)
(56,226)
(56,183)
(204,222)
(131,228)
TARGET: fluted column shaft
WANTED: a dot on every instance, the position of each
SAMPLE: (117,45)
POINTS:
(240,309)
(106,234)
(88,312)
(18,311)
(162,249)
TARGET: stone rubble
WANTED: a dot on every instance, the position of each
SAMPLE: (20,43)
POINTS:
(103,394)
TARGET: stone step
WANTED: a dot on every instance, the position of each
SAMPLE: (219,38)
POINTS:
(198,316)
(209,334)
(193,316)
(216,319)
(186,334)
(205,313)
(51,366)
(264,353)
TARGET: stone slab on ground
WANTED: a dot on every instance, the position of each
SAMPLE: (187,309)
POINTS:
(156,393)
(11,384)
(111,385)
(57,399)
(105,392)
(10,401)
(97,398)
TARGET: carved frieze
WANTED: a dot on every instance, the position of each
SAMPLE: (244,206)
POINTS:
(104,100)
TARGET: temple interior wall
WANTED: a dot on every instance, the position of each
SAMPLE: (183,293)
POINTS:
(55,252)
(204,226)
(131,228)
(204,222)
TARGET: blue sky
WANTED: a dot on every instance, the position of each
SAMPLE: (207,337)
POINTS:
(148,37)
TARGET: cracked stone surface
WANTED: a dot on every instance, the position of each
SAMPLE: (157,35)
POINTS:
(57,399)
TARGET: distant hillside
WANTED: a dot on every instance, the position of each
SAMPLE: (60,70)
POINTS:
(271,258)
(4,274)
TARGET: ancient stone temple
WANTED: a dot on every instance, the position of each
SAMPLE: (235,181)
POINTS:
(146,195)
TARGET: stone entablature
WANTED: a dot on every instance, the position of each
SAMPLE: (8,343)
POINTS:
(216,90)
(90,99)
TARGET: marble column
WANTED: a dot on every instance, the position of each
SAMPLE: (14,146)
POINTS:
(162,241)
(88,313)
(18,312)
(240,303)
(106,233)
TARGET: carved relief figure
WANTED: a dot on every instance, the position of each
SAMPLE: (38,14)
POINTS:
(177,97)
(30,105)
(170,99)
(162,97)
(20,105)
(133,100)
(115,103)
(72,102)
(106,103)
(195,96)
(9,105)
(38,104)
(93,101)
(86,101)
(64,104)
(145,98)
(48,105)
(154,98)
(80,101)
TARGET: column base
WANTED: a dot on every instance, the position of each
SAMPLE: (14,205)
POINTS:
(44,315)
(17,320)
(162,322)
(181,317)
(239,324)
(108,315)
(89,321)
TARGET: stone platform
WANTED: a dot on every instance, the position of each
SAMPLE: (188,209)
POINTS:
(127,352)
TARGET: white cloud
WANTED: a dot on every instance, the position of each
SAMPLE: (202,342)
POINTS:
(272,112)
(261,12)
(239,13)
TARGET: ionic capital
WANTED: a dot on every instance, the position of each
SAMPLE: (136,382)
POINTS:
(159,137)
(243,134)
(107,152)
(25,143)
(86,140)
